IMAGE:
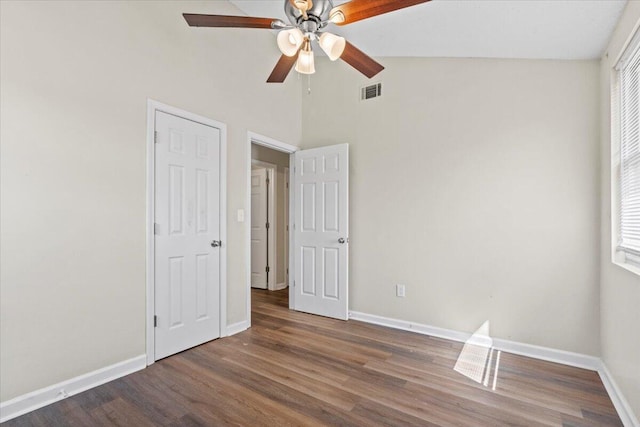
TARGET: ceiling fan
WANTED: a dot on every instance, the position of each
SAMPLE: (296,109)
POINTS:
(308,19)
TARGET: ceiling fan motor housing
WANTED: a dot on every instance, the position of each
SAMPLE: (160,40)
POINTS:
(318,12)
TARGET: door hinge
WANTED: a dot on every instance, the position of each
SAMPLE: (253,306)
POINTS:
(155,321)
(287,185)
(268,180)
(294,283)
(155,136)
(156,228)
(267,268)
(267,226)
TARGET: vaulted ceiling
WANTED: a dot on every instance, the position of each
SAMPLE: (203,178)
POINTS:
(553,29)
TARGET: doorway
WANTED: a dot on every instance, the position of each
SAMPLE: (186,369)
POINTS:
(268,218)
(264,152)
(318,221)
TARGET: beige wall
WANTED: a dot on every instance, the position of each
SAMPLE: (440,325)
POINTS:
(475,184)
(281,160)
(265,154)
(75,78)
(619,288)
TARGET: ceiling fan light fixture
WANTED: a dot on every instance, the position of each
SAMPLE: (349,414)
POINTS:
(306,21)
(332,45)
(305,63)
(289,41)
(337,17)
(303,4)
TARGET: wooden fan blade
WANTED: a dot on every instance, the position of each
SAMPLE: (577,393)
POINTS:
(360,61)
(282,68)
(197,20)
(356,10)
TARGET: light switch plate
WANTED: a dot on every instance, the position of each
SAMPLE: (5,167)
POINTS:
(240,215)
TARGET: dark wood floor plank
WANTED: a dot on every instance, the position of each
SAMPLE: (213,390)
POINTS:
(148,397)
(289,360)
(119,412)
(296,369)
(290,400)
(324,391)
(439,372)
(471,391)
(74,415)
(388,416)
(230,402)
(328,360)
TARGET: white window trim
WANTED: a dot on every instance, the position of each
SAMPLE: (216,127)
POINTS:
(626,258)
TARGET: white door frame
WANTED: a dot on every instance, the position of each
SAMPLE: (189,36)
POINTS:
(285,211)
(265,141)
(152,107)
(272,232)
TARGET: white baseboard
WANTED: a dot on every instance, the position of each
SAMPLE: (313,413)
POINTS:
(622,406)
(37,399)
(238,327)
(410,326)
(537,352)
(563,357)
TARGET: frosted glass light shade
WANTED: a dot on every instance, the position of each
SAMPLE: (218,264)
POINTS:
(305,63)
(289,41)
(332,45)
(337,17)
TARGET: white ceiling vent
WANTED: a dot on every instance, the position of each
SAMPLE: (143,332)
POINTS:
(371,91)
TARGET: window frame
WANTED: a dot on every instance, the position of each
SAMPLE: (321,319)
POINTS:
(624,256)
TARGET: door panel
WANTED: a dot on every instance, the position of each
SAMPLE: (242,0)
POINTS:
(259,231)
(321,223)
(308,271)
(187,207)
(202,201)
(331,275)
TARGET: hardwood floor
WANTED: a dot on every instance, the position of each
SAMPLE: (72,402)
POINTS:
(297,369)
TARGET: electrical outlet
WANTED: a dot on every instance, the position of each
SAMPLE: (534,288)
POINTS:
(400,291)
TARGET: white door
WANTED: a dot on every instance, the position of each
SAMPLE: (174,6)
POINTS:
(321,231)
(259,231)
(187,246)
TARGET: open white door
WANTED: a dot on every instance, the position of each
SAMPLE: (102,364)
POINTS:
(321,231)
(187,233)
(259,230)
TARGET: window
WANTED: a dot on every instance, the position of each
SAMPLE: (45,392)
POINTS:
(626,154)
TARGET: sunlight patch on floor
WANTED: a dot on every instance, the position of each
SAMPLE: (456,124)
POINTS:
(478,359)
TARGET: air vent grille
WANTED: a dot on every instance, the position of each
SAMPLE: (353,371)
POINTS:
(371,91)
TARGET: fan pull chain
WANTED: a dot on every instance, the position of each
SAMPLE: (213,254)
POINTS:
(308,84)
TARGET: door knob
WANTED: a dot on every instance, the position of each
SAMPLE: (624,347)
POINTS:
(341,240)
(216,243)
